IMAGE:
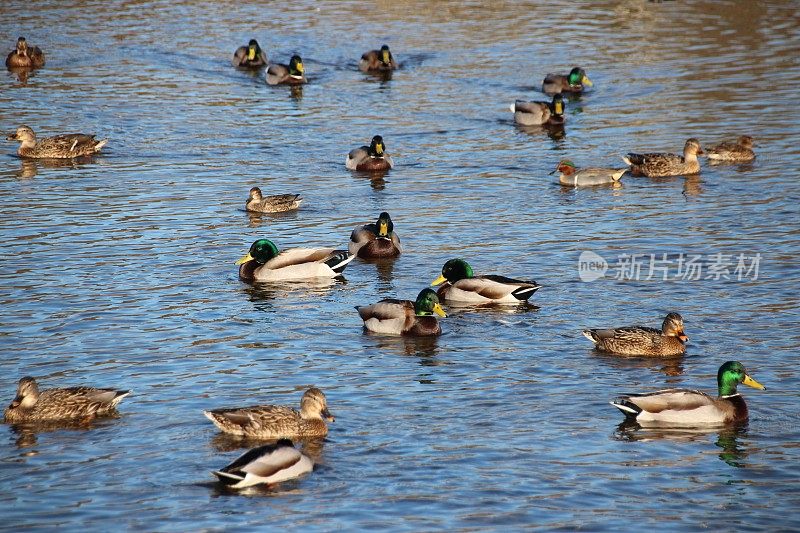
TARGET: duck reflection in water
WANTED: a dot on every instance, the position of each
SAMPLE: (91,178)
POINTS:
(27,433)
(669,366)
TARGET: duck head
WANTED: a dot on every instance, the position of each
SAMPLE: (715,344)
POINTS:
(23,134)
(296,68)
(384,225)
(385,55)
(427,303)
(730,375)
(253,50)
(377,148)
(578,77)
(27,394)
(454,270)
(557,106)
(673,327)
(22,46)
(745,141)
(565,167)
(315,405)
(255,194)
(260,251)
(692,148)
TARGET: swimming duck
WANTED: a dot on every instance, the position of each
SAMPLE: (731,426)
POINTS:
(660,165)
(24,56)
(377,61)
(463,286)
(31,405)
(739,151)
(370,158)
(277,203)
(264,263)
(574,177)
(58,147)
(276,421)
(686,407)
(539,113)
(404,317)
(250,56)
(268,464)
(374,241)
(640,340)
(574,82)
(291,74)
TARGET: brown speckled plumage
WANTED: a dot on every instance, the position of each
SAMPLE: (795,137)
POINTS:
(640,340)
(58,147)
(276,203)
(71,403)
(659,165)
(739,151)
(24,56)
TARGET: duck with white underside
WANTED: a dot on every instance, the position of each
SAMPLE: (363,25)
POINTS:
(687,407)
(460,284)
(539,113)
(585,177)
(404,317)
(661,165)
(265,465)
(370,158)
(263,262)
(375,241)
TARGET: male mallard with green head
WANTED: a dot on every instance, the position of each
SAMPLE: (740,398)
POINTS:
(291,74)
(58,147)
(250,56)
(375,241)
(686,407)
(641,340)
(377,61)
(24,56)
(263,262)
(539,113)
(574,82)
(404,317)
(370,158)
(71,403)
(460,284)
(660,165)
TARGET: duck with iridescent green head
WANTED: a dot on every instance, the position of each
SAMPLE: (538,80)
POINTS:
(370,158)
(687,407)
(460,284)
(250,56)
(263,262)
(291,74)
(377,61)
(375,241)
(539,113)
(574,82)
(404,317)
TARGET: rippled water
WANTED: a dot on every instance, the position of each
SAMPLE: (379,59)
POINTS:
(119,271)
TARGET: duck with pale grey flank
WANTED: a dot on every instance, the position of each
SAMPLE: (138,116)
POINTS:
(574,82)
(291,74)
(584,177)
(460,284)
(641,340)
(25,56)
(71,403)
(375,241)
(276,421)
(265,465)
(539,113)
(58,147)
(263,262)
(276,203)
(370,158)
(250,56)
(660,165)
(740,151)
(404,317)
(687,407)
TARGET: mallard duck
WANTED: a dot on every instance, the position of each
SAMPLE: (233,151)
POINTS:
(58,147)
(740,151)
(264,263)
(372,157)
(404,317)
(291,74)
(461,285)
(276,203)
(268,464)
(640,340)
(276,421)
(660,165)
(377,61)
(539,113)
(574,177)
(686,407)
(250,56)
(574,82)
(31,405)
(25,56)
(374,241)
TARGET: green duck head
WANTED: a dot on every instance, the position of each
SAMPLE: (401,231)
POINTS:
(296,66)
(558,105)
(427,303)
(384,225)
(454,270)
(386,55)
(377,148)
(578,77)
(261,251)
(730,375)
(253,50)
(566,167)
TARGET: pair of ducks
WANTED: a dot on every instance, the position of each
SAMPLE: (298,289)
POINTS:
(25,56)
(551,113)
